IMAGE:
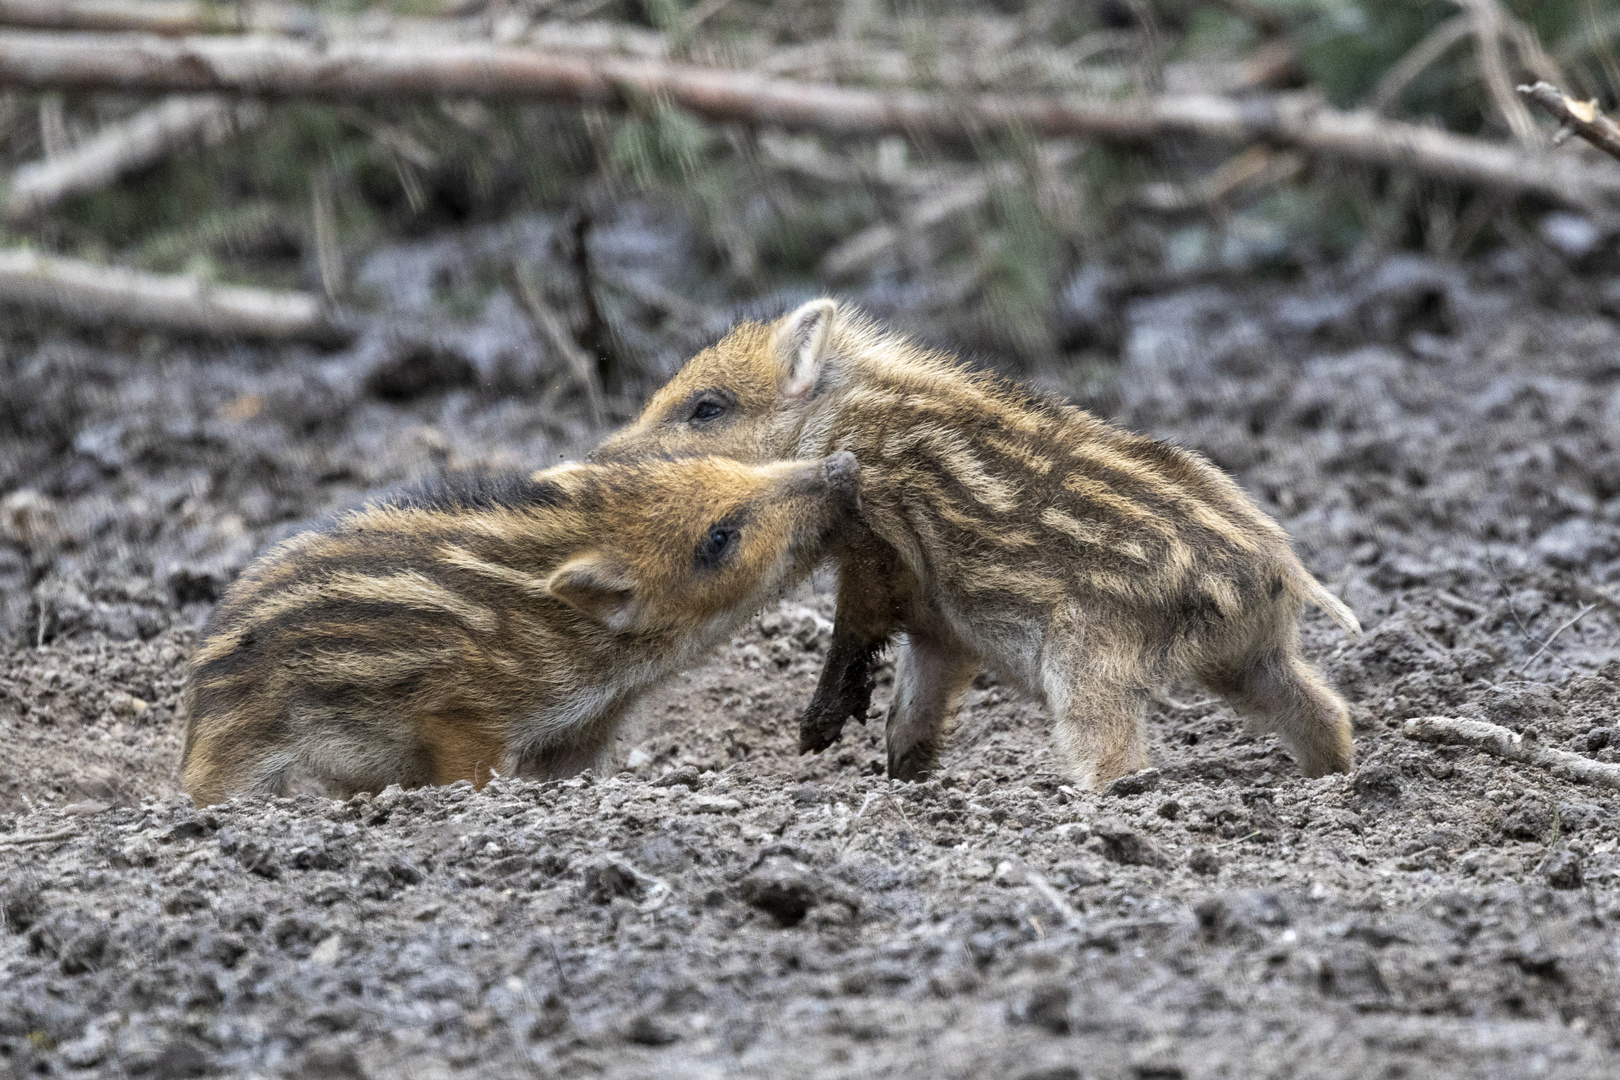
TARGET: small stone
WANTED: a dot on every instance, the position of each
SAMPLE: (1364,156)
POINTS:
(1046,1007)
(645,1031)
(782,888)
(1137,783)
(1124,844)
(122,704)
(1204,861)
(609,879)
(21,904)
(716,804)
(31,519)
(88,1050)
(1377,784)
(327,952)
(1009,873)
(330,1059)
(809,795)
(1562,869)
(1239,917)
(686,776)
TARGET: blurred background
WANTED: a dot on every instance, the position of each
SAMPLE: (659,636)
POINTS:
(996,235)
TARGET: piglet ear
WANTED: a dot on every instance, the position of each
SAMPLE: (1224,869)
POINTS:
(803,340)
(598,588)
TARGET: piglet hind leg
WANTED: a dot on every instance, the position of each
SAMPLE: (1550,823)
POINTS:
(1099,728)
(1095,692)
(1283,693)
(928,675)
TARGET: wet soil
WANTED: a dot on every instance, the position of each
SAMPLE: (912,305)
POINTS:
(1442,447)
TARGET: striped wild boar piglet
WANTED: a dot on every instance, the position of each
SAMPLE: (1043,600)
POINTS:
(492,624)
(1081,562)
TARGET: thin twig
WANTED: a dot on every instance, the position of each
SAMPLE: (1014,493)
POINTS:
(549,326)
(1490,26)
(1507,597)
(1417,60)
(1571,621)
(1071,918)
(40,838)
(1582,116)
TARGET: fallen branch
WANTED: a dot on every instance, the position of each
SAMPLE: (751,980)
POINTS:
(1526,748)
(370,69)
(88,293)
(39,838)
(122,148)
(178,18)
(172,17)
(1582,117)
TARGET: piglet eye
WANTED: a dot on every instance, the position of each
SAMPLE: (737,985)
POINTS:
(717,545)
(718,540)
(707,410)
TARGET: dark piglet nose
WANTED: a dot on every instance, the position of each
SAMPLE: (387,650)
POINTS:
(843,475)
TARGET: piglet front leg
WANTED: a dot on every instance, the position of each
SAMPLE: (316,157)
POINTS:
(872,594)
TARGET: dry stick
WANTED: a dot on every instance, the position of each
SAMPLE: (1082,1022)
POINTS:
(1417,60)
(41,838)
(401,69)
(549,325)
(122,148)
(1581,116)
(1071,918)
(1490,24)
(1251,172)
(176,18)
(1565,625)
(87,292)
(1526,748)
(158,16)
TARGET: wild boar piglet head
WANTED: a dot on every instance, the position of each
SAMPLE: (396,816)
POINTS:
(740,397)
(688,548)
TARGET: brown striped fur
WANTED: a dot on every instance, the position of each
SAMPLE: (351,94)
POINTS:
(485,625)
(1082,562)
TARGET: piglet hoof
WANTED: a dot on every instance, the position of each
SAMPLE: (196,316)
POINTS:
(915,763)
(819,729)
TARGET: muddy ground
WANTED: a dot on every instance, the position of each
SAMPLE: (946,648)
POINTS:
(1440,442)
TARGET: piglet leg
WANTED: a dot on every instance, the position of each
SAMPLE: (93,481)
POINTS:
(871,598)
